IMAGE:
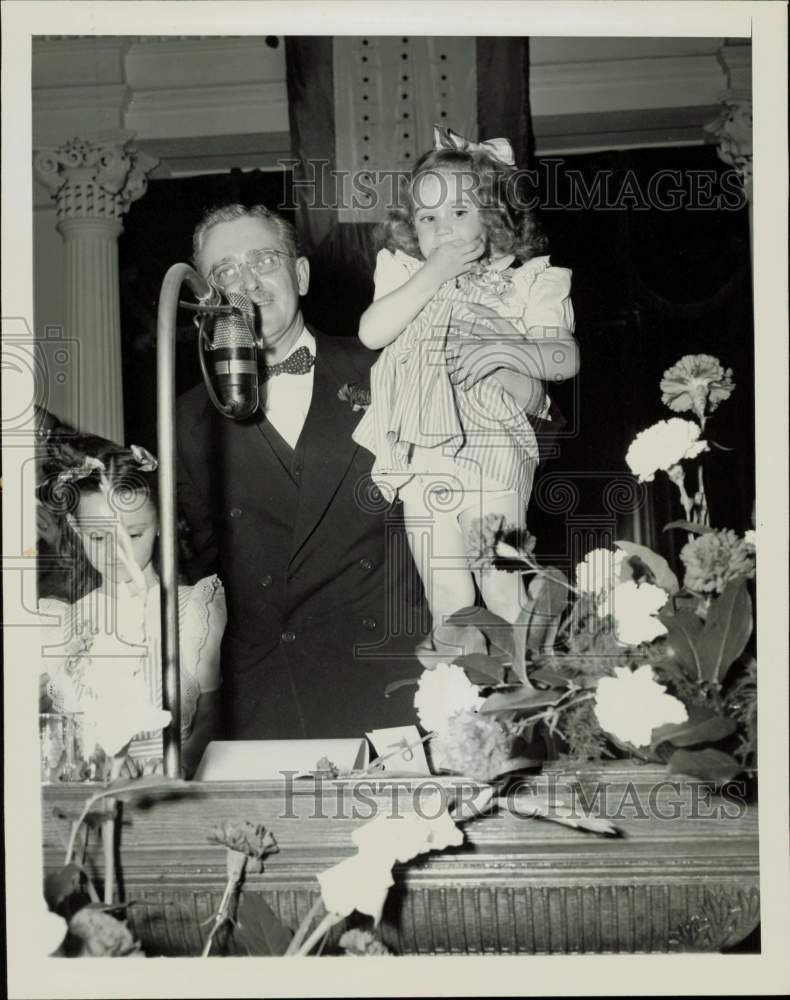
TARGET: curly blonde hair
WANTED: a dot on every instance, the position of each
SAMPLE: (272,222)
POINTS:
(510,227)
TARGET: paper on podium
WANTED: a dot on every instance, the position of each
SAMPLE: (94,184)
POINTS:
(411,759)
(259,760)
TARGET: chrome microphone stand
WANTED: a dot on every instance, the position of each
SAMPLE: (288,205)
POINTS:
(168,573)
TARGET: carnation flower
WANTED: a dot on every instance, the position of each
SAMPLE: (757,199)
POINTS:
(251,839)
(698,383)
(474,745)
(400,838)
(101,935)
(599,571)
(362,882)
(442,692)
(715,558)
(358,883)
(632,704)
(493,543)
(663,445)
(359,942)
(750,537)
(634,606)
(355,394)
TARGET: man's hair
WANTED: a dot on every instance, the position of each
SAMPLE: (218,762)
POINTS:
(286,233)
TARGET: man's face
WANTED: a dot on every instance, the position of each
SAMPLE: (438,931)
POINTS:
(276,294)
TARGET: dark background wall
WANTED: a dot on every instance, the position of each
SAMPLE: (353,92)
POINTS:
(649,285)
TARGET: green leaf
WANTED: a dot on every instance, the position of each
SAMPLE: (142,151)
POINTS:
(519,764)
(703,726)
(550,677)
(708,764)
(518,700)
(390,688)
(498,632)
(693,526)
(462,810)
(257,930)
(658,566)
(482,669)
(728,627)
(147,783)
(683,632)
(66,890)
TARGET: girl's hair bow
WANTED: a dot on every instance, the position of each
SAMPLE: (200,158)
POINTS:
(498,149)
(90,466)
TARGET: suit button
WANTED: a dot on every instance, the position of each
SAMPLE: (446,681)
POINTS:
(288,636)
(266,581)
(369,623)
(297,471)
(236,512)
(366,563)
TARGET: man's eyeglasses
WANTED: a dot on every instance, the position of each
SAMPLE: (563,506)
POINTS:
(228,272)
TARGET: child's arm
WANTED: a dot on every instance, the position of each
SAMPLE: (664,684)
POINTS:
(386,317)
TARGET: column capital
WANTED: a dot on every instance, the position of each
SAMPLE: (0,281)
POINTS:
(94,177)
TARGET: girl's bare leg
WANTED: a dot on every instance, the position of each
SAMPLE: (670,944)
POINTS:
(439,552)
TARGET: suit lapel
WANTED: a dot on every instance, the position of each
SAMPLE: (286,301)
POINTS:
(325,448)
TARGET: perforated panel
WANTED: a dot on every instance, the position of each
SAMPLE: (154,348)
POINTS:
(388,93)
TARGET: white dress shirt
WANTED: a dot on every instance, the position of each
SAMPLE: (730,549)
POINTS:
(287,397)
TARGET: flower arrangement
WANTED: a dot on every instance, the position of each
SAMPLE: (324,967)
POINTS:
(624,658)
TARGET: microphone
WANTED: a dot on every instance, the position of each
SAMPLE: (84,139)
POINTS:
(233,360)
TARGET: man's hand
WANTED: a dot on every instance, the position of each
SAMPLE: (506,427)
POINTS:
(448,260)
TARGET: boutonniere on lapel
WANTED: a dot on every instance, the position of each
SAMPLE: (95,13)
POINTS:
(356,395)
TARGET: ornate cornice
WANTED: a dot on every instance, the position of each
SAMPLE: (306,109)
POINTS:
(732,131)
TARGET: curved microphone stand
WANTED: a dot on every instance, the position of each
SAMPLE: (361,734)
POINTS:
(165,419)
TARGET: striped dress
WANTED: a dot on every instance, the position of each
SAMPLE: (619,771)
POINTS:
(98,633)
(418,423)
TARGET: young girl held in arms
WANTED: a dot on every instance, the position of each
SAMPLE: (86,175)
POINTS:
(472,322)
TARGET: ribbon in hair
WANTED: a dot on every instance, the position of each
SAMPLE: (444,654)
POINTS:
(498,149)
(90,466)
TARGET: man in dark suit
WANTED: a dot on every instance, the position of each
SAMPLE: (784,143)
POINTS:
(323,608)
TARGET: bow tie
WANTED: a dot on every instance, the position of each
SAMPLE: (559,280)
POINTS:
(298,363)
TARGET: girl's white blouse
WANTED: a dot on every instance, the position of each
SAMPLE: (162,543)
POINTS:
(130,624)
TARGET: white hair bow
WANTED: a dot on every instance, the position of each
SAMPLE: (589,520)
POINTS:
(499,149)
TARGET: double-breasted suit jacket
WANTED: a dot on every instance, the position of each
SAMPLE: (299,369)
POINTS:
(324,603)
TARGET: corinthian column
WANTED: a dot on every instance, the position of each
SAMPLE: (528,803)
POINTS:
(93,182)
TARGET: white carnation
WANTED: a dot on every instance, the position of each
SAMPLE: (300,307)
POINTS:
(441,693)
(634,607)
(662,446)
(632,704)
(599,571)
(750,537)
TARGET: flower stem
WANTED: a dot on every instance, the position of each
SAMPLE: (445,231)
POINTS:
(236,866)
(304,927)
(323,928)
(108,843)
(704,514)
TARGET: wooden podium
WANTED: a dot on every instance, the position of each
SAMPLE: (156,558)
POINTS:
(681,876)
